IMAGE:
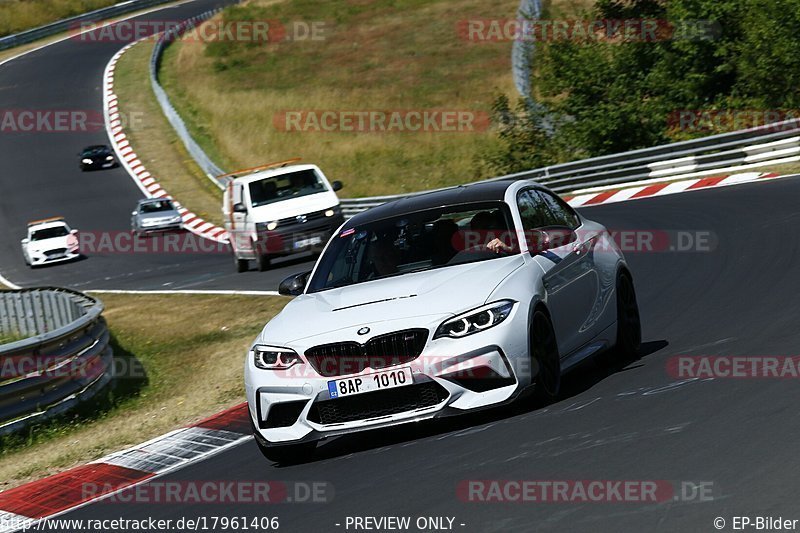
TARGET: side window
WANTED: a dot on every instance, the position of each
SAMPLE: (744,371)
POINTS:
(533,211)
(563,214)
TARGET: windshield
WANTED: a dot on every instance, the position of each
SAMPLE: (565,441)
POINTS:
(285,186)
(49,233)
(155,207)
(96,150)
(413,242)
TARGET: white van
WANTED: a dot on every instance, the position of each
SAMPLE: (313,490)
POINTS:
(271,212)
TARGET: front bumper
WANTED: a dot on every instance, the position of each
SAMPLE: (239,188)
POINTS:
(298,238)
(42,259)
(295,406)
(159,228)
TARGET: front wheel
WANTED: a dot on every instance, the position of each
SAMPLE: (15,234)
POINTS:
(544,351)
(242,265)
(263,261)
(629,326)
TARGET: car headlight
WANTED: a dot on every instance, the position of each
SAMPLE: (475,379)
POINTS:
(266,226)
(274,358)
(175,219)
(476,320)
(109,158)
(86,160)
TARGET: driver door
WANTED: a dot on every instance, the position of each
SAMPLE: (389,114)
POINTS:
(567,260)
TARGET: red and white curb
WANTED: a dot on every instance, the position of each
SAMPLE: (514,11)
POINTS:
(650,188)
(22,506)
(146,182)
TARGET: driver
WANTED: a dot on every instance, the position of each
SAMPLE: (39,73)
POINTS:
(490,223)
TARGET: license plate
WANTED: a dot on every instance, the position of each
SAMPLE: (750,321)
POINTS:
(388,379)
(304,243)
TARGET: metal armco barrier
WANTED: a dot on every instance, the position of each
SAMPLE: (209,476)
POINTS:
(200,157)
(74,23)
(63,359)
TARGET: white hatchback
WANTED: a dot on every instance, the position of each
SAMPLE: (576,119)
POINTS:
(50,240)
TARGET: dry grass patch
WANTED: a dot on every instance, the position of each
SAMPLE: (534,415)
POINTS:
(193,362)
(20,15)
(375,56)
(154,140)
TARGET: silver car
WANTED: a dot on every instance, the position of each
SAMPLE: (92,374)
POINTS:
(442,303)
(155,214)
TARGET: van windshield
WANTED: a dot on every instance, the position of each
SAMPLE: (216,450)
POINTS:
(285,186)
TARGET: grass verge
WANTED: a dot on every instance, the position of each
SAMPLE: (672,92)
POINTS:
(154,140)
(20,15)
(192,369)
(381,56)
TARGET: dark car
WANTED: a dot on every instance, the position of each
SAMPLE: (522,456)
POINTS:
(96,157)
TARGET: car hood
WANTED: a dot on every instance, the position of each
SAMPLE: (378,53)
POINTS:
(294,206)
(434,294)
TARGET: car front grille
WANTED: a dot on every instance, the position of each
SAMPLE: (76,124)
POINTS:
(377,404)
(343,358)
(56,251)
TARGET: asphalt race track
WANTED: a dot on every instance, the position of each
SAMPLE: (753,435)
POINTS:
(40,178)
(638,423)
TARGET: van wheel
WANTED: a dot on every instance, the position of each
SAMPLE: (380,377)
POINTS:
(263,262)
(242,265)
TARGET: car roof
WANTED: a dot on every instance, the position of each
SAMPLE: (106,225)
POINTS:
(288,169)
(487,191)
(47,223)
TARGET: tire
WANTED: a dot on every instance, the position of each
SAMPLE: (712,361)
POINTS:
(629,325)
(242,265)
(544,351)
(263,261)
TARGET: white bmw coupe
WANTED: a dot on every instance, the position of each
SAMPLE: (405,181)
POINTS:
(437,304)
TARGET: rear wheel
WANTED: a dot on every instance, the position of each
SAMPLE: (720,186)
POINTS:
(629,326)
(544,351)
(242,265)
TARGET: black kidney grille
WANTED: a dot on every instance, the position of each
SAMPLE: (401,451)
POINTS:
(378,403)
(343,358)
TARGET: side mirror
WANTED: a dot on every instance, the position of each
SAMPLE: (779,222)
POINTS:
(239,208)
(134,213)
(337,185)
(73,232)
(25,241)
(294,285)
(540,240)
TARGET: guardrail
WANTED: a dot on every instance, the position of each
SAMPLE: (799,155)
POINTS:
(63,357)
(75,23)
(771,144)
(211,169)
